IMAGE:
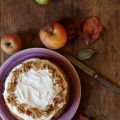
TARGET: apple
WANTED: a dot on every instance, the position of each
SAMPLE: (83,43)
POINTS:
(53,36)
(11,43)
(43,2)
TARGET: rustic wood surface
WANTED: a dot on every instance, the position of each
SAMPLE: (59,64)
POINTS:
(25,17)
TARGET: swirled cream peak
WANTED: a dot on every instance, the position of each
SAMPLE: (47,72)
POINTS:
(35,88)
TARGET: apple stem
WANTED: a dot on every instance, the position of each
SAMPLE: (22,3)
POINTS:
(50,29)
(8,44)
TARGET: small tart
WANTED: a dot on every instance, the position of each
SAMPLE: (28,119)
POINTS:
(37,89)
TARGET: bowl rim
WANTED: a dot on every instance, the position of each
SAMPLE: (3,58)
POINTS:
(73,110)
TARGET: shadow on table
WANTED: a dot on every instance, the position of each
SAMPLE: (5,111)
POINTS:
(30,39)
(86,91)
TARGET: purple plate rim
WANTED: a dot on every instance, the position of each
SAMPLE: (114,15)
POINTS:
(69,115)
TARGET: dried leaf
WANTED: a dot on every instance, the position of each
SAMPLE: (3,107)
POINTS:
(70,27)
(92,28)
(83,36)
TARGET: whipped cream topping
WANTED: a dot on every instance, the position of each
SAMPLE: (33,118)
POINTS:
(34,88)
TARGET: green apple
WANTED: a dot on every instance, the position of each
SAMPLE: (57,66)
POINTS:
(43,2)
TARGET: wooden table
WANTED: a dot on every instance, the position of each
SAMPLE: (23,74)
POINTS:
(25,17)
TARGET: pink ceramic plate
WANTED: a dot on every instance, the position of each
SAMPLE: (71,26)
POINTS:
(74,81)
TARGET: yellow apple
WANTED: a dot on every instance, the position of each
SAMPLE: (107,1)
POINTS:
(53,36)
(43,2)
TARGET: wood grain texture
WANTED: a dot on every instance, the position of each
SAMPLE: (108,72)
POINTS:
(25,18)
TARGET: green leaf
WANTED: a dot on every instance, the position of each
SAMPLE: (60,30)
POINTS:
(86,54)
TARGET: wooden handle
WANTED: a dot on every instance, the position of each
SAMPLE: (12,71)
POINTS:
(107,83)
(93,74)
